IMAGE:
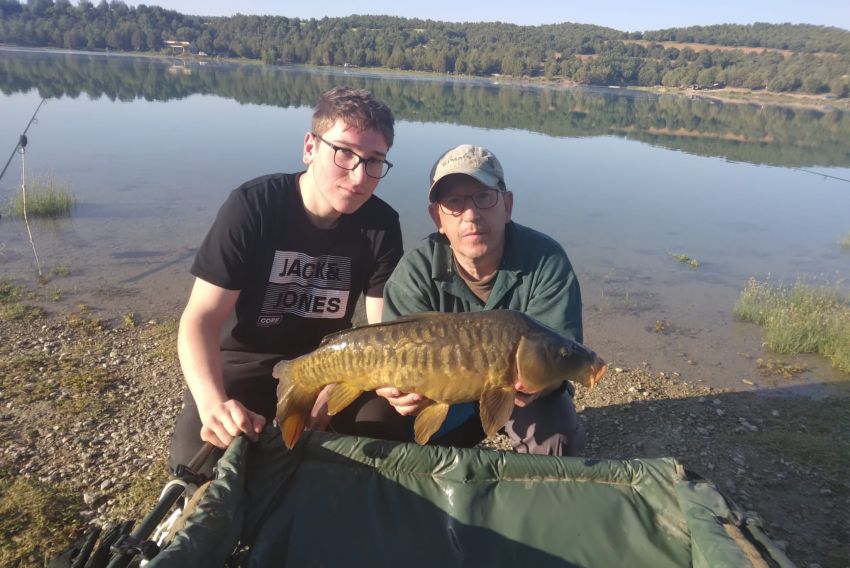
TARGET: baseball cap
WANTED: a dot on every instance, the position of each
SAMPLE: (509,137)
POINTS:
(473,161)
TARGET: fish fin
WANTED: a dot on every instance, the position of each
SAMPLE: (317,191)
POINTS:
(403,319)
(496,406)
(341,395)
(293,410)
(529,364)
(429,421)
(281,373)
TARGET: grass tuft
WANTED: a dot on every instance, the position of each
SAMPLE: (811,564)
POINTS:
(12,306)
(34,517)
(845,242)
(163,339)
(46,198)
(800,318)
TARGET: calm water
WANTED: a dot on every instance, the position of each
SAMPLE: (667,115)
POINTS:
(622,179)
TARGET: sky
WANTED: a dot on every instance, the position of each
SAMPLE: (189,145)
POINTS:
(624,15)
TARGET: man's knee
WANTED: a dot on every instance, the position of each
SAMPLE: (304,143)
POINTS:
(548,426)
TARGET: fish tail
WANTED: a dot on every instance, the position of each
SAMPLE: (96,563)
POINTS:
(294,404)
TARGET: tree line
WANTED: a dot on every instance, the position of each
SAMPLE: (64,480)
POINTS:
(815,59)
(740,132)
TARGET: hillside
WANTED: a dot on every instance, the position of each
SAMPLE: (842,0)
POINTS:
(773,57)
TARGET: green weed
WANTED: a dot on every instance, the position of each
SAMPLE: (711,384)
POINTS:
(46,198)
(685,259)
(54,272)
(85,325)
(12,306)
(800,318)
(845,242)
(129,320)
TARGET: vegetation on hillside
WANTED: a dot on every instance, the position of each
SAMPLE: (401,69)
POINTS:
(816,59)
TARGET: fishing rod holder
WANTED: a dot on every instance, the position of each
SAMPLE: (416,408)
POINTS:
(130,546)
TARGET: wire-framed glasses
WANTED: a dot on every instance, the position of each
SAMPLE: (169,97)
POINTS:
(348,159)
(456,204)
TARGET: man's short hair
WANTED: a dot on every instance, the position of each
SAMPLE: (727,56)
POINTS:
(357,108)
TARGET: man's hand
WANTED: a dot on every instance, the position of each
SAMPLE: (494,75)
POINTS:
(406,404)
(523,398)
(319,417)
(223,422)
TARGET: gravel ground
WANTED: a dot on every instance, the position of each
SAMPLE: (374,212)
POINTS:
(89,407)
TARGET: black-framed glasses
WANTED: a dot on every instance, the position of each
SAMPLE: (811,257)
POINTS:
(348,159)
(456,204)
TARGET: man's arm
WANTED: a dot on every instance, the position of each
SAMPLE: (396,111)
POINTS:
(200,359)
(555,300)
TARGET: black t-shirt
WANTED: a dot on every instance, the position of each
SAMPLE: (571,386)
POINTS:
(297,282)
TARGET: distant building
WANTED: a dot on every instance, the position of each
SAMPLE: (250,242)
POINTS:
(176,44)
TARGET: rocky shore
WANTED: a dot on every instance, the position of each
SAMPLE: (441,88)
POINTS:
(87,407)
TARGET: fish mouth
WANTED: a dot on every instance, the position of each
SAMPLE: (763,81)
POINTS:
(597,371)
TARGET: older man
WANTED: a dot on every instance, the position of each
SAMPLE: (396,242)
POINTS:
(479,259)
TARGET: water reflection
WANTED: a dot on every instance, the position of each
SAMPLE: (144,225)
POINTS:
(740,132)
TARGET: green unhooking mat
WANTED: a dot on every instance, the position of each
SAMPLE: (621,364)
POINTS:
(345,501)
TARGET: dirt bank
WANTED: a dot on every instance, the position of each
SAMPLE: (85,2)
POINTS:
(86,409)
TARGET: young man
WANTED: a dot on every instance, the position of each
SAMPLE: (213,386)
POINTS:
(284,265)
(481,260)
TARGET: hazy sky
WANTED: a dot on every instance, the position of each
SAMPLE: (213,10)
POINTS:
(625,15)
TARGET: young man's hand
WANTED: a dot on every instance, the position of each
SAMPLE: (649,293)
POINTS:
(223,422)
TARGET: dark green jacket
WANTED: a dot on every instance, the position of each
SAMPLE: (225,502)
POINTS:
(535,277)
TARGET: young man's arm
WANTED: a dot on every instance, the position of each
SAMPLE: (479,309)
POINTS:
(200,359)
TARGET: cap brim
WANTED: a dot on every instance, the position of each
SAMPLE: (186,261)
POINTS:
(486,178)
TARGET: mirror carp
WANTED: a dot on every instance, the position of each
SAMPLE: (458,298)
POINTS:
(450,358)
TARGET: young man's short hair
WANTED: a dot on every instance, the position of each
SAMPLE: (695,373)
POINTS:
(357,108)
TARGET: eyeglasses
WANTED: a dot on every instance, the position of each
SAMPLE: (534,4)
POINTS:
(455,205)
(347,159)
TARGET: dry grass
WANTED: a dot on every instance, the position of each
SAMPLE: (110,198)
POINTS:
(710,47)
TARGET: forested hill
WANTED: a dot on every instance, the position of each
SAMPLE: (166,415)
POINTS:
(773,57)
(799,37)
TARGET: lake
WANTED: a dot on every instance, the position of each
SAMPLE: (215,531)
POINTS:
(623,179)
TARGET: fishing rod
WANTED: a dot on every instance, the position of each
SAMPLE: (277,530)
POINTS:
(821,174)
(22,141)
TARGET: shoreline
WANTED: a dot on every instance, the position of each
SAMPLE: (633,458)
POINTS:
(731,95)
